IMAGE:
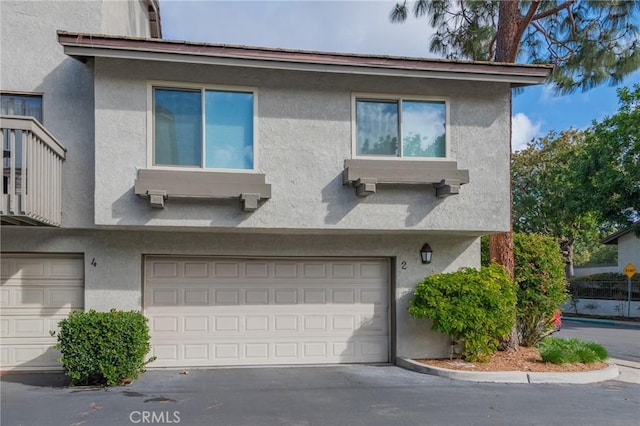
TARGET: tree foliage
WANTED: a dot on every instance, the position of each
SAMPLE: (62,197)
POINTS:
(545,194)
(590,42)
(578,186)
(608,164)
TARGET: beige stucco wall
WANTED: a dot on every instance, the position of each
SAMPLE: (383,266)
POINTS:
(303,138)
(116,279)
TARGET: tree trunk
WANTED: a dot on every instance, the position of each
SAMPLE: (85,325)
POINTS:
(566,246)
(501,245)
(507,34)
(501,252)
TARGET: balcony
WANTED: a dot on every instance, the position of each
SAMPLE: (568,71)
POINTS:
(31,173)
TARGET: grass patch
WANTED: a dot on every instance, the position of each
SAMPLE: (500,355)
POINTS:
(568,351)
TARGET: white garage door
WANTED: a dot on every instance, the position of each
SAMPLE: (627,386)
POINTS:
(215,311)
(36,293)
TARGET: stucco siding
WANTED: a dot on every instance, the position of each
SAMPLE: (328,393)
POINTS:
(33,61)
(128,18)
(629,250)
(303,138)
(113,263)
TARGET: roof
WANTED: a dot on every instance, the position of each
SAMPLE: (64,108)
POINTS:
(82,45)
(613,238)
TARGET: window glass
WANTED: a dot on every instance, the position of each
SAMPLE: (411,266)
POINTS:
(229,130)
(203,128)
(377,127)
(178,127)
(423,129)
(420,125)
(16,104)
(29,105)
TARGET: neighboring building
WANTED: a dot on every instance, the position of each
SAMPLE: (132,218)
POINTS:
(628,242)
(255,203)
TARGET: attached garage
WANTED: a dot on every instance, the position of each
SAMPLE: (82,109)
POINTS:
(219,311)
(37,291)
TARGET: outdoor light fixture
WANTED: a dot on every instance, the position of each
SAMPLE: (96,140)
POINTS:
(425,253)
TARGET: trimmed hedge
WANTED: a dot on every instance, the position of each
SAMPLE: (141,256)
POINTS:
(475,307)
(103,348)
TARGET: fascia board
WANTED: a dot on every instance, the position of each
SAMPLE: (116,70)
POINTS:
(191,58)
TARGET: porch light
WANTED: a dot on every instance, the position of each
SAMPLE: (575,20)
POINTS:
(425,253)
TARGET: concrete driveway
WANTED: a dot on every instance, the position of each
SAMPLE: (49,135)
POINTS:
(338,395)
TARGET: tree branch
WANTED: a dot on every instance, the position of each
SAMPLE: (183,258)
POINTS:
(464,14)
(553,11)
(552,40)
(522,25)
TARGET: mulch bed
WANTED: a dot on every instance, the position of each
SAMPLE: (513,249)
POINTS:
(525,359)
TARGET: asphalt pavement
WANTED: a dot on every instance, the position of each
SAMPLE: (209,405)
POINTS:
(338,395)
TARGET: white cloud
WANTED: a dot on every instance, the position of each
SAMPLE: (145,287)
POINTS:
(522,131)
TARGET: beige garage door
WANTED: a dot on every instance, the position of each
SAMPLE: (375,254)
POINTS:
(215,311)
(36,293)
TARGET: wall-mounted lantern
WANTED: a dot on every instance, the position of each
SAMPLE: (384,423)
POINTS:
(426,253)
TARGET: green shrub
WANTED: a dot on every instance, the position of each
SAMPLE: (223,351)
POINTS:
(104,348)
(542,288)
(475,307)
(569,351)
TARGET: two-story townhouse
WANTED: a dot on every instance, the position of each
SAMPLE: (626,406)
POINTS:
(260,206)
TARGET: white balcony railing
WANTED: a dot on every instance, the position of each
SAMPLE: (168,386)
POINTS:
(31,173)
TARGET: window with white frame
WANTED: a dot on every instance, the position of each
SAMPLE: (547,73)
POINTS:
(400,127)
(203,128)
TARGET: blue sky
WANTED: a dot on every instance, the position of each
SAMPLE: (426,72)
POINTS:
(363,27)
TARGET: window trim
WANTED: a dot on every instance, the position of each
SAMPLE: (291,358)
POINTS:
(367,96)
(152,84)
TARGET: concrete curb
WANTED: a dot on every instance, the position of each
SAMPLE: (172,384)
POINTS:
(611,372)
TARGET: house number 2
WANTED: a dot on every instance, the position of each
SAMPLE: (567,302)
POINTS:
(403,264)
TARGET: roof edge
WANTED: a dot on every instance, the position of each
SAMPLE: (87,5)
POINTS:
(96,45)
(613,238)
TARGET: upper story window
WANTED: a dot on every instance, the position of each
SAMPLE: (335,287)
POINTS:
(203,128)
(400,127)
(21,104)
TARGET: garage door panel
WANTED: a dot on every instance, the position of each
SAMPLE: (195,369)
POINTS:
(42,296)
(286,350)
(295,294)
(37,292)
(247,324)
(274,311)
(169,270)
